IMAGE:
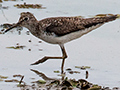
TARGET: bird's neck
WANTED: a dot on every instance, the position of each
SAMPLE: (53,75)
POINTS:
(33,28)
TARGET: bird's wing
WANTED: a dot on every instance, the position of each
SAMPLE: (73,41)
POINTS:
(65,25)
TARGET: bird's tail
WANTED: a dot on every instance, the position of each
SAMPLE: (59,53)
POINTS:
(118,15)
(107,17)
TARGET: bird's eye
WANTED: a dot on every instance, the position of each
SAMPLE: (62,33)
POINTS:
(26,18)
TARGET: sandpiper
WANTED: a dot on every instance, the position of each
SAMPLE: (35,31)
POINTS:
(60,30)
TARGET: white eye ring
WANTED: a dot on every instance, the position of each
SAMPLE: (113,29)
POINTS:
(26,18)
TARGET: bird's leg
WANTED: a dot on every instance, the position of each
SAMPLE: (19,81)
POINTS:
(45,58)
(49,57)
(63,57)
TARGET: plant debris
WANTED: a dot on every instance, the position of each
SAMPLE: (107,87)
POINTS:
(83,67)
(17,75)
(16,47)
(12,80)
(41,81)
(34,6)
(10,0)
(65,83)
(56,71)
(17,81)
(70,71)
(70,84)
(57,84)
(3,77)
(21,80)
(62,75)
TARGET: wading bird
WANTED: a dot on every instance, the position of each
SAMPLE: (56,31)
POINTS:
(60,30)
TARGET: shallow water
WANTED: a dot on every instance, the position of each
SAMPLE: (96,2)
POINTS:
(99,49)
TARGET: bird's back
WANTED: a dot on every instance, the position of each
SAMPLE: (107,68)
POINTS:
(65,25)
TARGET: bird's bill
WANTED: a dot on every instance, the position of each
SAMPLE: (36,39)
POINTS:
(17,24)
(10,28)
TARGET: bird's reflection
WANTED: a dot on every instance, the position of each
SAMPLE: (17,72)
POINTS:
(43,76)
(62,83)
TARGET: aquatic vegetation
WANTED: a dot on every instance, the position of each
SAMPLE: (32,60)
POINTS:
(13,80)
(70,71)
(3,77)
(55,84)
(56,71)
(17,75)
(41,82)
(95,87)
(34,6)
(83,67)
(16,47)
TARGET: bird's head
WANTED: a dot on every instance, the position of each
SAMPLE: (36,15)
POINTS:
(26,18)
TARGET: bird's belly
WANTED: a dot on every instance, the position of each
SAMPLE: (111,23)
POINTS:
(68,37)
(62,39)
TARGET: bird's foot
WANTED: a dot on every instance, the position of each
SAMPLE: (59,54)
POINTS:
(45,59)
(40,61)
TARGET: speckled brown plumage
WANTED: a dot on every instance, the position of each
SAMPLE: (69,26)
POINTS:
(62,25)
(65,25)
